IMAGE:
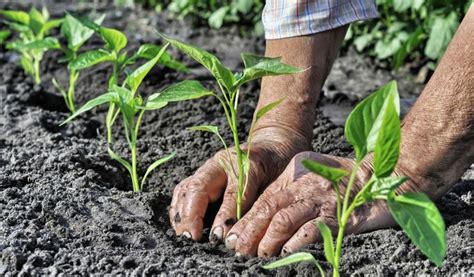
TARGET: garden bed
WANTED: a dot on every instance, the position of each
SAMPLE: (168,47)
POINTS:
(66,207)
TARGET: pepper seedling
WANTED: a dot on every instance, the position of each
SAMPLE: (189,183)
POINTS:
(229,84)
(32,41)
(132,108)
(374,127)
(113,52)
(76,35)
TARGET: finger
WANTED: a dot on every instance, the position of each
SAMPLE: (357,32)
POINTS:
(227,215)
(248,233)
(307,234)
(192,196)
(284,224)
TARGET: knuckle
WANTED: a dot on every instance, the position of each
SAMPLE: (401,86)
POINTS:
(282,222)
(266,206)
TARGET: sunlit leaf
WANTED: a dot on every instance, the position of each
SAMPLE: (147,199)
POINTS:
(46,43)
(91,58)
(184,90)
(119,159)
(222,74)
(16,16)
(295,258)
(386,185)
(102,99)
(328,242)
(330,173)
(75,32)
(155,165)
(265,109)
(115,39)
(441,33)
(364,122)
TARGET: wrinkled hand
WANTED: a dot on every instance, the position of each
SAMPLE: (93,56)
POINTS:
(272,149)
(282,219)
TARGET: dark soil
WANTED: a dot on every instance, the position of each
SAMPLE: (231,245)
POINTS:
(67,208)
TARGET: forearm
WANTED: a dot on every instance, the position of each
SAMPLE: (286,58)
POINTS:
(296,114)
(438,134)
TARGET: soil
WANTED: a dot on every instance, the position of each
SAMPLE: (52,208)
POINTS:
(67,208)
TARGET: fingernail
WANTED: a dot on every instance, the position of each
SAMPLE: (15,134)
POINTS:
(230,241)
(186,234)
(285,252)
(217,233)
(237,254)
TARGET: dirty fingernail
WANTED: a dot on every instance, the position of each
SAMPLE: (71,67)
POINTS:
(217,234)
(187,234)
(230,241)
(285,251)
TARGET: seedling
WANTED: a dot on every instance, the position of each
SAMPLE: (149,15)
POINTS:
(114,53)
(229,84)
(76,35)
(374,126)
(132,109)
(32,41)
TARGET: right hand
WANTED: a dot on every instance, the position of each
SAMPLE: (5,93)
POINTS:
(272,149)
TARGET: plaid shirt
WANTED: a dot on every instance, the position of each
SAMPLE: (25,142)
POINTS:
(291,18)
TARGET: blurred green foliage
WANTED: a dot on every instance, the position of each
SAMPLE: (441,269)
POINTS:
(406,29)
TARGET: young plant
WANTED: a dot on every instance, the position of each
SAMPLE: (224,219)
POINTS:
(229,83)
(374,127)
(132,108)
(76,35)
(114,52)
(32,41)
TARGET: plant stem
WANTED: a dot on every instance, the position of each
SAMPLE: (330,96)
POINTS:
(238,152)
(343,216)
(73,75)
(36,64)
(109,121)
(135,183)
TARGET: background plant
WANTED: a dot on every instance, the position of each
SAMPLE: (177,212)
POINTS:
(132,108)
(229,84)
(374,127)
(114,52)
(31,39)
(406,30)
(76,35)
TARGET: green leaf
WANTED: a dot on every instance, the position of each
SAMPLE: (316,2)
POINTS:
(385,48)
(330,173)
(115,39)
(50,25)
(244,6)
(441,33)
(257,67)
(102,99)
(422,222)
(36,20)
(387,146)
(135,79)
(184,90)
(408,47)
(295,258)
(401,5)
(206,128)
(222,74)
(265,109)
(364,122)
(148,51)
(75,32)
(91,58)
(119,159)
(46,43)
(4,34)
(362,41)
(383,186)
(328,242)
(86,22)
(216,19)
(16,16)
(155,165)
(27,65)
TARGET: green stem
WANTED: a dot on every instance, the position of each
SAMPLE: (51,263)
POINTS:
(36,64)
(342,219)
(109,121)
(135,183)
(73,76)
(238,152)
